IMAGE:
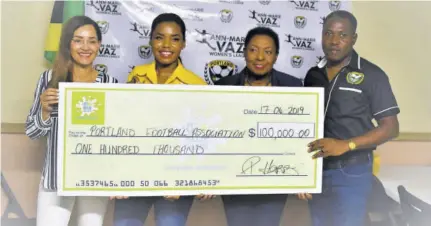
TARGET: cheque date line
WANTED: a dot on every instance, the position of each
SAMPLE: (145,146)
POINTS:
(276,110)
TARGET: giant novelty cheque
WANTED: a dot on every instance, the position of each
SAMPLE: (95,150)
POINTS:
(152,140)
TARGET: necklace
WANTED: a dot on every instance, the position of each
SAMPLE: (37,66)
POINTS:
(247,80)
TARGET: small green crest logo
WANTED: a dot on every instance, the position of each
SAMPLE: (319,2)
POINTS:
(88,108)
(355,77)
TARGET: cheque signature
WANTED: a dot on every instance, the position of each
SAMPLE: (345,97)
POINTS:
(254,165)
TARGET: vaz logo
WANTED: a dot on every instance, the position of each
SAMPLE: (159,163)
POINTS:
(226,15)
(109,51)
(104,26)
(296,61)
(221,45)
(300,43)
(305,5)
(264,19)
(105,7)
(143,31)
(144,51)
(300,22)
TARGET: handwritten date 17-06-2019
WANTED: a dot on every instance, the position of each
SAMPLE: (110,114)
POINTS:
(276,110)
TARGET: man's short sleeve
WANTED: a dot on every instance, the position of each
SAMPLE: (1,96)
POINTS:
(314,78)
(382,100)
(307,79)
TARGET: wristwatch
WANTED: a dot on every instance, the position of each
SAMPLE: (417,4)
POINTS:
(352,145)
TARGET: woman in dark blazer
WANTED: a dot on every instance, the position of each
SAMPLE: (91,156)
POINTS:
(260,52)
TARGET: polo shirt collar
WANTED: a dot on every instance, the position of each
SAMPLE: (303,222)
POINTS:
(354,63)
(179,73)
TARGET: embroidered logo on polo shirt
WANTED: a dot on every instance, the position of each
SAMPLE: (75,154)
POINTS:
(355,77)
(137,78)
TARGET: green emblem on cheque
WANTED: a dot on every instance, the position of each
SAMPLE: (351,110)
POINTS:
(88,108)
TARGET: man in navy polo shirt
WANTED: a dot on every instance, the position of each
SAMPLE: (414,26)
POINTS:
(356,91)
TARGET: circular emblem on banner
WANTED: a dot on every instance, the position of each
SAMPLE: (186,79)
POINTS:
(144,51)
(265,2)
(355,77)
(226,15)
(300,22)
(334,5)
(296,61)
(217,69)
(104,26)
(101,68)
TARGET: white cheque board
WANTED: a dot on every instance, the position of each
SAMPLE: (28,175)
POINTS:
(153,140)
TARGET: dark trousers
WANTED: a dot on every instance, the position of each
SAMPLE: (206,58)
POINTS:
(254,210)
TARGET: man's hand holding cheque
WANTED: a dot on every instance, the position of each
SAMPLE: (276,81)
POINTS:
(328,147)
(323,148)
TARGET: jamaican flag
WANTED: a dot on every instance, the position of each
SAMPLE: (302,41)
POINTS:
(62,11)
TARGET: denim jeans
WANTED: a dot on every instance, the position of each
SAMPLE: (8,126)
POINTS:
(134,211)
(254,210)
(344,197)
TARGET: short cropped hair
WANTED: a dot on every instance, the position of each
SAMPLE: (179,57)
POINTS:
(263,31)
(344,15)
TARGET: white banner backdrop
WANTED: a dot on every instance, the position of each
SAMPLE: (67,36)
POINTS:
(215,34)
